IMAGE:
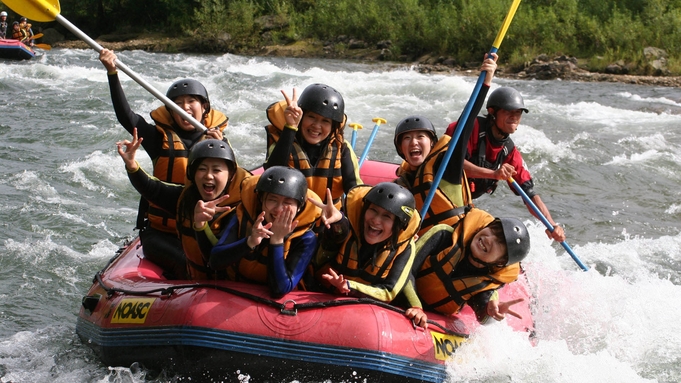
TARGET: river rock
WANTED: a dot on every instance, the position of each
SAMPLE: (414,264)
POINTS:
(51,36)
(544,68)
(656,61)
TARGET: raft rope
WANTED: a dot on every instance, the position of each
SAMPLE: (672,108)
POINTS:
(285,307)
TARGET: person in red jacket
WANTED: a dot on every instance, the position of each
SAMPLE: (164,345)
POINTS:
(492,155)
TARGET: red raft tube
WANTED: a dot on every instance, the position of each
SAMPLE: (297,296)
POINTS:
(15,50)
(219,329)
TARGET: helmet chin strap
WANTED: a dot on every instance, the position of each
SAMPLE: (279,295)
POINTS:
(488,265)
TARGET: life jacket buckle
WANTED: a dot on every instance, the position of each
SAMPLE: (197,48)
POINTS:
(289,308)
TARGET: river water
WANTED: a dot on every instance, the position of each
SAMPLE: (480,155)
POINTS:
(605,159)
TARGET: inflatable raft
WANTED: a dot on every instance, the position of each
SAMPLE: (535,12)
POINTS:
(15,50)
(220,329)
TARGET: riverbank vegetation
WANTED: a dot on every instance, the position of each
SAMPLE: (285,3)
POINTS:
(599,32)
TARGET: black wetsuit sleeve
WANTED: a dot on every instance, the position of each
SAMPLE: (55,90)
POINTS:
(335,235)
(282,149)
(478,303)
(163,194)
(130,120)
(331,240)
(454,169)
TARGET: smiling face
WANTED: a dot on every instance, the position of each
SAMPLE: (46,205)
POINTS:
(415,147)
(507,121)
(275,204)
(378,224)
(211,178)
(487,247)
(191,104)
(315,128)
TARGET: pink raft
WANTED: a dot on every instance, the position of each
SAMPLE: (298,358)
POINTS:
(15,50)
(219,329)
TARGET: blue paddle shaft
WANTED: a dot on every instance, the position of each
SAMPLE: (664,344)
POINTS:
(366,148)
(546,223)
(455,138)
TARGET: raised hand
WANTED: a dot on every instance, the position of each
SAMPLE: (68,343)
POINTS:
(330,214)
(282,226)
(292,113)
(108,58)
(205,211)
(214,133)
(128,154)
(337,281)
(259,231)
(489,65)
(498,310)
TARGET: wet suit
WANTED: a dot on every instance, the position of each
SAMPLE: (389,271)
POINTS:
(164,249)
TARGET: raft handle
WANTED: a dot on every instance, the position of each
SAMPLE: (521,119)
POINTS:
(292,311)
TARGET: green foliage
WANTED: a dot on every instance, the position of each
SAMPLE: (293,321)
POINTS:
(464,29)
(236,18)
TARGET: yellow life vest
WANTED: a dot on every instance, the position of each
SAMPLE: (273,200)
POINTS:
(437,290)
(253,267)
(171,164)
(442,209)
(347,259)
(197,264)
(326,173)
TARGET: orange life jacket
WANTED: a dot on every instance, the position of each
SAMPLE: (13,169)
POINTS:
(197,264)
(346,261)
(442,209)
(437,290)
(171,164)
(326,173)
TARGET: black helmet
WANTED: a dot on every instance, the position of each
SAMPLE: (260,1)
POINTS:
(506,98)
(323,100)
(393,198)
(517,239)
(22,19)
(210,148)
(190,87)
(411,124)
(284,181)
(15,23)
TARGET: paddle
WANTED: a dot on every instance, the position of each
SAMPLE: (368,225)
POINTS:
(45,47)
(546,223)
(37,36)
(378,122)
(48,10)
(355,126)
(467,111)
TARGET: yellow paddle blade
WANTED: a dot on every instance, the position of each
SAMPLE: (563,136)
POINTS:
(37,36)
(38,10)
(505,24)
(45,47)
